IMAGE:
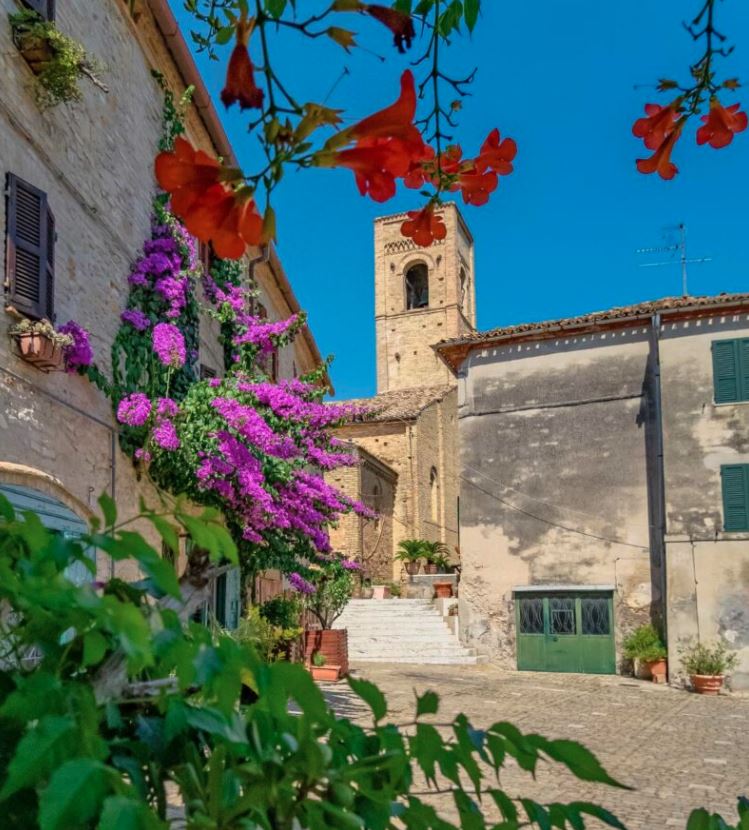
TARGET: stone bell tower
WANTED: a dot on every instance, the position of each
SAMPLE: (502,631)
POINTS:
(422,296)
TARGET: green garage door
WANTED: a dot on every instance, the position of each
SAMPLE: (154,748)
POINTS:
(565,631)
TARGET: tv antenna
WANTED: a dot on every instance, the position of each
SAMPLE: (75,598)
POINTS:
(678,250)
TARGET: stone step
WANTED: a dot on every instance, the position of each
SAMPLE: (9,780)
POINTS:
(401,631)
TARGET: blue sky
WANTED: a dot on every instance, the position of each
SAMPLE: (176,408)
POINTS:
(558,237)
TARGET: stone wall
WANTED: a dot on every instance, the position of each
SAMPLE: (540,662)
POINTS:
(94,159)
(553,467)
(708,568)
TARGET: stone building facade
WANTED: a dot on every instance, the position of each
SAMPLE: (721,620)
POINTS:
(421,297)
(93,163)
(604,483)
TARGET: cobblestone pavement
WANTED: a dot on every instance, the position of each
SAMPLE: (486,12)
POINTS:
(676,749)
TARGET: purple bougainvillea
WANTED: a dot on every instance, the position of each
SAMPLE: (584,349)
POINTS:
(300,584)
(137,319)
(134,410)
(79,354)
(169,345)
(165,435)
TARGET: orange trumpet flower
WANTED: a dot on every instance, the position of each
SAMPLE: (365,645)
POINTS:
(720,125)
(240,75)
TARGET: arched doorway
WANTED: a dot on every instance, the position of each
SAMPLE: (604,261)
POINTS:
(55,516)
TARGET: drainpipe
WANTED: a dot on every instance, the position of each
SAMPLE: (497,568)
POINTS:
(660,478)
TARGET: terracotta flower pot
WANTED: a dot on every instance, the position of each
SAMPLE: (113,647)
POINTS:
(325,673)
(41,351)
(430,568)
(707,684)
(36,51)
(331,643)
(412,568)
(657,670)
(381,592)
(443,590)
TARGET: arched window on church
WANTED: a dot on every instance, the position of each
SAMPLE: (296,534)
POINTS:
(417,287)
(434,494)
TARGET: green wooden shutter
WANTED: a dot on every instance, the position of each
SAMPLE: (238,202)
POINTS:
(725,371)
(735,483)
(743,354)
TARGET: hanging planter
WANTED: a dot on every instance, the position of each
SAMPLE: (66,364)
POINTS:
(36,50)
(40,345)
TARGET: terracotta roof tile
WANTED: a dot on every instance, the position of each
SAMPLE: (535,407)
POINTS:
(399,404)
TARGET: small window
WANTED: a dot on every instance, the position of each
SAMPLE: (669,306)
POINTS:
(434,494)
(44,8)
(594,613)
(562,615)
(463,290)
(417,287)
(29,250)
(735,486)
(731,370)
(207,372)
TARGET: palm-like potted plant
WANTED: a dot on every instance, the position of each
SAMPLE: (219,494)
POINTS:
(707,666)
(645,645)
(411,552)
(436,556)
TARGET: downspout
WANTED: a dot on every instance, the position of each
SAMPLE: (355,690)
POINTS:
(660,478)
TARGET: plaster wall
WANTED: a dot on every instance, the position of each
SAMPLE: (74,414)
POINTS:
(553,467)
(708,568)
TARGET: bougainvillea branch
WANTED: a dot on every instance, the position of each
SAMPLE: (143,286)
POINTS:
(662,127)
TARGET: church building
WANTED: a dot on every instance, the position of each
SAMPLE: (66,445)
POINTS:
(407,443)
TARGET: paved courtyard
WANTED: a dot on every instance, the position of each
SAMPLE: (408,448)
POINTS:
(677,750)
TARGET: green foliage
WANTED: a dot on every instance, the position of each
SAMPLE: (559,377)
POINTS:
(173,113)
(318,659)
(110,698)
(410,550)
(644,643)
(58,76)
(703,820)
(334,588)
(698,658)
(281,611)
(271,641)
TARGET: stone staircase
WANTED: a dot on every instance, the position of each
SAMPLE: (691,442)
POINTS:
(400,631)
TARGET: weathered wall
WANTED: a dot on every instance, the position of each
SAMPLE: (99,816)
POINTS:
(553,468)
(368,541)
(404,338)
(708,568)
(94,159)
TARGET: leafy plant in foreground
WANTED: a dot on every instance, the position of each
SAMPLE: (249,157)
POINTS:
(112,702)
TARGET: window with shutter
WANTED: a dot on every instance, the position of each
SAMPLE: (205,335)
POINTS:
(731,370)
(735,485)
(29,250)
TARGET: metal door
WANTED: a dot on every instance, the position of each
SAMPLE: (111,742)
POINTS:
(565,632)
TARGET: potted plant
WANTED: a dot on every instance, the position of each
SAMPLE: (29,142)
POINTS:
(707,666)
(644,644)
(326,588)
(40,344)
(443,590)
(58,62)
(411,552)
(322,670)
(435,554)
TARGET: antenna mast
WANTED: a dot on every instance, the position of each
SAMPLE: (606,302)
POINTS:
(681,248)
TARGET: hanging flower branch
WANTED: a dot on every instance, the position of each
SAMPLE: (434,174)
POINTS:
(662,126)
(220,204)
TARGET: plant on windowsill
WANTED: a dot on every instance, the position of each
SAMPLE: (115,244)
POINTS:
(644,644)
(58,61)
(411,552)
(707,666)
(40,344)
